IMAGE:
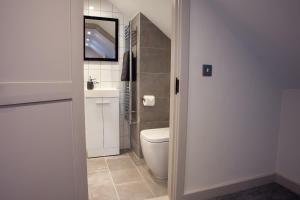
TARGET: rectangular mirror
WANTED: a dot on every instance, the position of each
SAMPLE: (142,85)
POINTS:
(100,38)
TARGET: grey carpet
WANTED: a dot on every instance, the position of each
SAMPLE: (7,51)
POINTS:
(271,191)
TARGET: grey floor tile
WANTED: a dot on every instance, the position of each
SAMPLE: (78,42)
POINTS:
(125,175)
(103,192)
(95,164)
(134,191)
(119,163)
(137,161)
(99,178)
(157,186)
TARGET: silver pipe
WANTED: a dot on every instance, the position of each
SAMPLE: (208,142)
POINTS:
(130,76)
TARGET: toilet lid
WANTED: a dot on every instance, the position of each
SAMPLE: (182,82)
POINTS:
(156,135)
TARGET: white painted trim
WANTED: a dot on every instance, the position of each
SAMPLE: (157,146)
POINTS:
(79,148)
(247,183)
(179,103)
(229,188)
(287,183)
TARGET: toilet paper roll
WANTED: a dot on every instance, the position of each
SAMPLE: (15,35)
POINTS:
(149,100)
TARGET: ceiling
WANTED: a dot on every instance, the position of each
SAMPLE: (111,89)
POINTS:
(270,29)
(158,11)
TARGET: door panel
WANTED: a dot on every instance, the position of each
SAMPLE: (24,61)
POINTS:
(35,40)
(36,152)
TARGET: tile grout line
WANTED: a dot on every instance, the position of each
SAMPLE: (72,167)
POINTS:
(143,178)
(130,182)
(109,172)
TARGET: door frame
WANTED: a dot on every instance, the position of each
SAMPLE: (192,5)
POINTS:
(179,102)
(77,96)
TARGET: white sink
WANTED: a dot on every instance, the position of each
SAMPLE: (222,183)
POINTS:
(102,92)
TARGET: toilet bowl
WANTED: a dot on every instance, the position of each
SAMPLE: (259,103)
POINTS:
(155,148)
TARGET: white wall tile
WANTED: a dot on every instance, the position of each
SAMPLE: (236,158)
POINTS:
(106,14)
(121,52)
(95,13)
(115,75)
(121,42)
(105,75)
(106,6)
(86,4)
(86,75)
(116,85)
(106,85)
(86,65)
(121,30)
(94,65)
(94,5)
(115,9)
(120,17)
(116,66)
(106,66)
(126,20)
(104,69)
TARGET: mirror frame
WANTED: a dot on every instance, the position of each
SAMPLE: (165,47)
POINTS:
(116,59)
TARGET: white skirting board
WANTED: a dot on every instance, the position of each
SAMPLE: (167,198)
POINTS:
(243,185)
(231,188)
(285,182)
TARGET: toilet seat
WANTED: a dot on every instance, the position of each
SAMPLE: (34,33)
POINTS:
(156,135)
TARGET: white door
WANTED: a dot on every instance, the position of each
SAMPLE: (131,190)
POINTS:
(42,143)
(94,126)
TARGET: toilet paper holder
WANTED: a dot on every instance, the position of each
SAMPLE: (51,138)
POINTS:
(148,100)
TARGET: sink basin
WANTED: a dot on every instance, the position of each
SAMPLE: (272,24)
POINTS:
(102,92)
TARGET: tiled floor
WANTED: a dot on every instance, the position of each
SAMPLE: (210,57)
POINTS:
(123,177)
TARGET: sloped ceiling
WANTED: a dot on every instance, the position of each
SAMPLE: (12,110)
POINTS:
(269,28)
(158,11)
(271,31)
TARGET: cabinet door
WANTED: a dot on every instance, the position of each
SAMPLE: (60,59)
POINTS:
(111,123)
(94,126)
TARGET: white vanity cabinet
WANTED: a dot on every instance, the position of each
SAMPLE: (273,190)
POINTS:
(102,124)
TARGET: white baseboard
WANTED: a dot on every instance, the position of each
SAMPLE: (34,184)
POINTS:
(287,183)
(231,188)
(243,185)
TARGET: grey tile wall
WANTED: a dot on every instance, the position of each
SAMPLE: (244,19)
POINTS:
(153,78)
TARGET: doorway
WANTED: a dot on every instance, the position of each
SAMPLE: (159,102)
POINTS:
(127,169)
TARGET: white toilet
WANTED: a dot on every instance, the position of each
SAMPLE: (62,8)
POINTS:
(155,147)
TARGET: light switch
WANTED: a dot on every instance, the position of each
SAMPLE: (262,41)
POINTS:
(207,70)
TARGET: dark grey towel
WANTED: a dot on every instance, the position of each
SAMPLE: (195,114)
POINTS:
(126,67)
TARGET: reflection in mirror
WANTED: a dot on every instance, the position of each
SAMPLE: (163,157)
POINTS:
(100,38)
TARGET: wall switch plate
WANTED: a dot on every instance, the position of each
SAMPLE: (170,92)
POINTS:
(207,70)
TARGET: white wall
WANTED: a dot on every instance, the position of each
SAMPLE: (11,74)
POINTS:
(288,159)
(233,116)
(108,74)
(158,11)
